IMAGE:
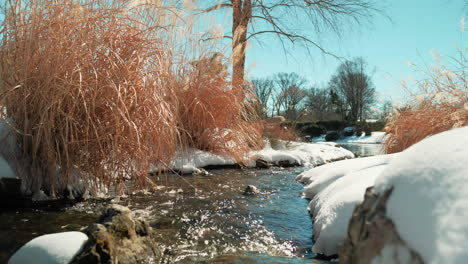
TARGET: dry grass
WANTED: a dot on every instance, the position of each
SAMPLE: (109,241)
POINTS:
(277,131)
(440,104)
(95,89)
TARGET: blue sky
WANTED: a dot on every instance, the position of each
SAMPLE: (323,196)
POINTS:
(416,28)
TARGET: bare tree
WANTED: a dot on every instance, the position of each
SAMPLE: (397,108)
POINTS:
(318,102)
(283,92)
(263,90)
(283,18)
(353,86)
(291,99)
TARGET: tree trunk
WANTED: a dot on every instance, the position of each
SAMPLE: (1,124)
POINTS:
(242,12)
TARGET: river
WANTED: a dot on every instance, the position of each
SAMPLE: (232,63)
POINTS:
(199,219)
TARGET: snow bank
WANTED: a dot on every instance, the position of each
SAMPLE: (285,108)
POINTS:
(333,207)
(429,202)
(374,138)
(322,176)
(335,190)
(304,154)
(57,248)
(189,160)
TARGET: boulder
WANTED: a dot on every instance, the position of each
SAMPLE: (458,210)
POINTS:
(118,238)
(332,135)
(372,237)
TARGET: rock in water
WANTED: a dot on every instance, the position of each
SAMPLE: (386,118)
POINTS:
(262,164)
(251,190)
(118,238)
(332,135)
(372,237)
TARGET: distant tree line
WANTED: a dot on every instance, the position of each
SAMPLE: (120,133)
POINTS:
(348,96)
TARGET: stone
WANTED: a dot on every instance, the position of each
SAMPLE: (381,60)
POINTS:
(332,135)
(370,231)
(251,190)
(348,131)
(262,164)
(117,237)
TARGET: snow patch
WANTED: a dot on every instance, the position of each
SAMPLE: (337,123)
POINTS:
(58,248)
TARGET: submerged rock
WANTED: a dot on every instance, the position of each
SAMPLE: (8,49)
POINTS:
(372,237)
(118,238)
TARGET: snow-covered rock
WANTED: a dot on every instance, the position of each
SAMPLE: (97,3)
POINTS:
(301,153)
(417,212)
(429,201)
(58,248)
(293,153)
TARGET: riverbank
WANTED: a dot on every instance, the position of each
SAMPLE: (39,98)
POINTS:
(414,211)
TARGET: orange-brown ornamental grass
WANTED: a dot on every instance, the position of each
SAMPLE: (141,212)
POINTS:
(440,104)
(82,83)
(210,116)
(97,96)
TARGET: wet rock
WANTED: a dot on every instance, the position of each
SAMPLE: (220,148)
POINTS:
(118,238)
(348,131)
(332,135)
(287,163)
(201,172)
(370,232)
(251,190)
(262,164)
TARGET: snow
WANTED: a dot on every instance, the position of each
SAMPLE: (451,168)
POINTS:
(332,208)
(322,176)
(55,248)
(374,138)
(7,149)
(392,254)
(301,153)
(335,190)
(189,160)
(429,202)
(5,169)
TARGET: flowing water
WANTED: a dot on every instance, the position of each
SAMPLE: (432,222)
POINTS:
(198,219)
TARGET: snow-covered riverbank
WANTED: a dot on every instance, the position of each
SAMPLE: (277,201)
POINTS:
(427,205)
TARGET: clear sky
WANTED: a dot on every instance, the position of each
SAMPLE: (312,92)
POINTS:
(416,28)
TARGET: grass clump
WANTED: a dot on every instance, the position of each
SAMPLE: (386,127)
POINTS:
(98,95)
(440,104)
